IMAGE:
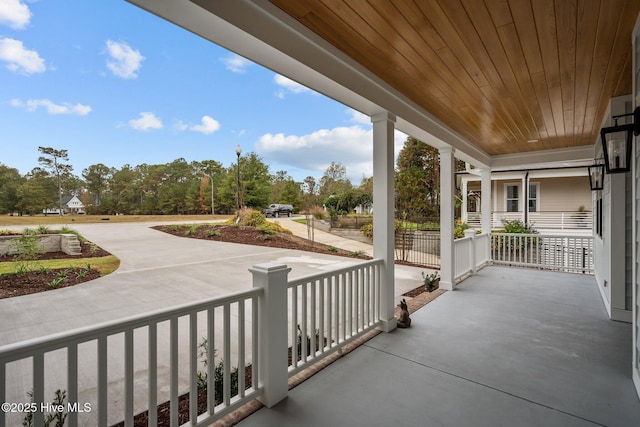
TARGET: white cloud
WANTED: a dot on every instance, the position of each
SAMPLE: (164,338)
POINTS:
(145,122)
(398,142)
(288,85)
(180,126)
(236,63)
(351,146)
(358,117)
(209,125)
(19,59)
(15,14)
(52,108)
(125,62)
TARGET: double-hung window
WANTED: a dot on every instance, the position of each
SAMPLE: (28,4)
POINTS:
(533,197)
(512,198)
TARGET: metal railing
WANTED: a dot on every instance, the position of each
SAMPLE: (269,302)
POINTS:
(329,310)
(418,247)
(572,254)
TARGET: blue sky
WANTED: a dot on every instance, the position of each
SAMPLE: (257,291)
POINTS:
(116,85)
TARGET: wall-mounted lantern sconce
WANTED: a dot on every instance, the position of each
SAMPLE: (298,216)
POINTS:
(616,143)
(596,175)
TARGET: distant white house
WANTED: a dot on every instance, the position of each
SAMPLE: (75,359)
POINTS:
(70,204)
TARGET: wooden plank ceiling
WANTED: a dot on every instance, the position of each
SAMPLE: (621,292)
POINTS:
(499,72)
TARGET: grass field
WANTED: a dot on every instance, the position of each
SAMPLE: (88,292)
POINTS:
(87,219)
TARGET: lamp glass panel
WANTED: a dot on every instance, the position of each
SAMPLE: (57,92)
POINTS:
(596,177)
(616,149)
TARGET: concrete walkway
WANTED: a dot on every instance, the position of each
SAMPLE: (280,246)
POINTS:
(509,347)
(320,236)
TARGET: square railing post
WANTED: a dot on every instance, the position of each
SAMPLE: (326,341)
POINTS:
(272,331)
(471,234)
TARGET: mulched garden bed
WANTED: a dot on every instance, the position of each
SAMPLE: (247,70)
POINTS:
(164,411)
(253,236)
(40,280)
(417,291)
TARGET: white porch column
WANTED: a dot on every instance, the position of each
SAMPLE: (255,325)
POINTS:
(524,199)
(486,219)
(485,201)
(464,192)
(447,220)
(383,206)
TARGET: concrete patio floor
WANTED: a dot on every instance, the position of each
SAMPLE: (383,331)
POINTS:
(509,347)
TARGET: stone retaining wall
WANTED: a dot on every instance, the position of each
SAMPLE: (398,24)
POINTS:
(67,243)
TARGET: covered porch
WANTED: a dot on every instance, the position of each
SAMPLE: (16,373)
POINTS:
(509,344)
(509,347)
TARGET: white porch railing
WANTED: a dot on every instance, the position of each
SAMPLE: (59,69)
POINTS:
(151,344)
(129,363)
(572,254)
(329,310)
(463,264)
(540,220)
(483,256)
(471,252)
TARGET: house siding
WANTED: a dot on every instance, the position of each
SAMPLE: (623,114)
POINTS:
(563,194)
(635,221)
(628,250)
(612,259)
(636,276)
(560,194)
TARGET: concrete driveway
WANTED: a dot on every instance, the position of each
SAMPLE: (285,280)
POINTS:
(157,271)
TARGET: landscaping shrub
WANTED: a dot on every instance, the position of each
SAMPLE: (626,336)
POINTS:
(367,229)
(67,230)
(248,217)
(212,233)
(517,226)
(42,229)
(430,280)
(192,229)
(351,221)
(318,213)
(26,248)
(253,218)
(218,373)
(460,227)
(55,419)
